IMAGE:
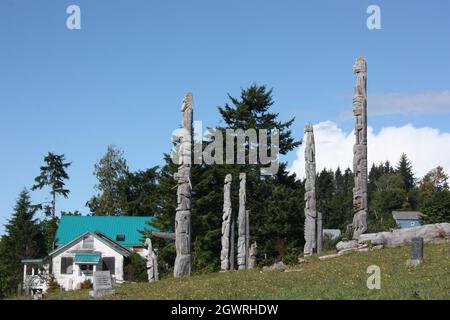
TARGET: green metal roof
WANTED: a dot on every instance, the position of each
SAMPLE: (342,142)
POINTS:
(71,227)
(93,258)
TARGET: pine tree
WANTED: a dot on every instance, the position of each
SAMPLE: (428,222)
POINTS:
(325,191)
(53,174)
(22,239)
(404,169)
(340,202)
(436,207)
(138,192)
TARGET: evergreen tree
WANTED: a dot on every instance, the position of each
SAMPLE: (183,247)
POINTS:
(325,191)
(138,192)
(53,174)
(388,196)
(436,207)
(109,170)
(404,169)
(22,240)
(341,204)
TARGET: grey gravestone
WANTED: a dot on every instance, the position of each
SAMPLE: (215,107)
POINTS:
(102,284)
(416,252)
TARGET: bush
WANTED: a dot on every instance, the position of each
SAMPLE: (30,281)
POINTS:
(328,243)
(52,284)
(135,269)
(87,284)
(291,255)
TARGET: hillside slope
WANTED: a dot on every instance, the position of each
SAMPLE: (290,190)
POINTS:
(339,278)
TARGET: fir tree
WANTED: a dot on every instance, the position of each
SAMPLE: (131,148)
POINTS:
(23,239)
(404,169)
(53,174)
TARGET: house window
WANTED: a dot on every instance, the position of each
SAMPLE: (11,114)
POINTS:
(66,265)
(86,267)
(109,263)
(88,243)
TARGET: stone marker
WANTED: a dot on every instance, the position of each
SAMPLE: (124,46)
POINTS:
(102,284)
(416,252)
(183,177)
(360,149)
(225,256)
(310,193)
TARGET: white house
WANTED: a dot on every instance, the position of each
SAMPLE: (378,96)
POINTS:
(75,262)
(85,244)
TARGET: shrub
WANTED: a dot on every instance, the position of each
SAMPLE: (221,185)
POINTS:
(291,255)
(135,269)
(87,284)
(52,284)
(328,243)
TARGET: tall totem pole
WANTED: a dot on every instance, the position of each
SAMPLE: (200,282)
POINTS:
(243,226)
(183,177)
(310,192)
(360,149)
(226,257)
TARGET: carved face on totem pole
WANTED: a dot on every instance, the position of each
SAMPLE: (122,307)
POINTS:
(360,65)
(187,102)
(148,244)
(357,204)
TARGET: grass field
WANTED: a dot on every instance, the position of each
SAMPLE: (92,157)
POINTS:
(343,277)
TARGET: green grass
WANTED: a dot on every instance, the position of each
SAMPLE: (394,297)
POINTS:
(343,277)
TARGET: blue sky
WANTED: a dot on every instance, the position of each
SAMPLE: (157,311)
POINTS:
(121,78)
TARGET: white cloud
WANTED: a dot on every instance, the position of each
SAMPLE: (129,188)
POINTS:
(429,102)
(425,147)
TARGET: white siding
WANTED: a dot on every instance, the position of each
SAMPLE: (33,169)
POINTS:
(73,281)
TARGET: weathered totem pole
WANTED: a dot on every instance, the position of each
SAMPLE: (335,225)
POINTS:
(225,256)
(152,262)
(310,193)
(360,149)
(319,243)
(243,226)
(252,256)
(183,177)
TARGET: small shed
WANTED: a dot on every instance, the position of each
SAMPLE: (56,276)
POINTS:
(407,219)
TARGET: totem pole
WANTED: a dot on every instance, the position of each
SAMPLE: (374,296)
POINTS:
(310,193)
(183,177)
(360,149)
(252,256)
(225,257)
(152,262)
(243,228)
